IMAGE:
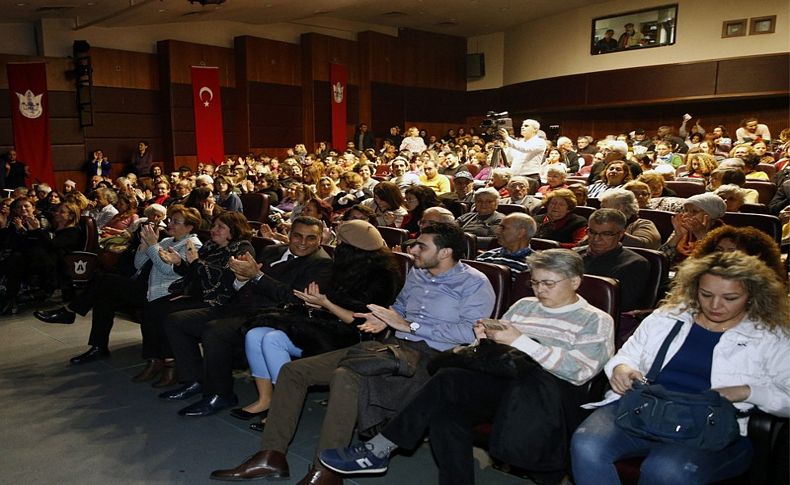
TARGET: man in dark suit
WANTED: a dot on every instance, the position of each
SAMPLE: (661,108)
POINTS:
(266,283)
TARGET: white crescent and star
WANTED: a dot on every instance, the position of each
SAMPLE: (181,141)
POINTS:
(205,89)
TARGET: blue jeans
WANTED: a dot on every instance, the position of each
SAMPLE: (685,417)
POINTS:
(267,351)
(598,443)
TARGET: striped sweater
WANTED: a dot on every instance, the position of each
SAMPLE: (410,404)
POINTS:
(572,342)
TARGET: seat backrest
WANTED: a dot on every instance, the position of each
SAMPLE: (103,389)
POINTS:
(576,179)
(599,291)
(755,209)
(258,243)
(658,276)
(405,262)
(485,243)
(473,168)
(393,236)
(584,211)
(499,276)
(766,190)
(768,168)
(511,208)
(471,245)
(686,188)
(539,244)
(593,202)
(90,235)
(255,206)
(662,220)
(767,223)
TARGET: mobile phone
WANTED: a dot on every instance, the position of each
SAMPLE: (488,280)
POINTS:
(492,324)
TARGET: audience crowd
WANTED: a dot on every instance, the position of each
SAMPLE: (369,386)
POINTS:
(302,264)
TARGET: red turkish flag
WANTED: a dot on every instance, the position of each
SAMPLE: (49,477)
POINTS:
(208,115)
(27,87)
(337,81)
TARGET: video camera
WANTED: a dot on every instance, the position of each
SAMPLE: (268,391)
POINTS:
(494,122)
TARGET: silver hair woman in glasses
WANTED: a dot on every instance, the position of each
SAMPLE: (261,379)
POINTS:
(568,339)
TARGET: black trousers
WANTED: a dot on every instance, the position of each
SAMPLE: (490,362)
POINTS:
(218,329)
(449,405)
(157,316)
(107,294)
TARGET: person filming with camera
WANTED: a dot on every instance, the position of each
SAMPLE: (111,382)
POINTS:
(525,155)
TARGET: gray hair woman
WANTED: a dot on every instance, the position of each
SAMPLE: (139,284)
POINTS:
(732,195)
(640,233)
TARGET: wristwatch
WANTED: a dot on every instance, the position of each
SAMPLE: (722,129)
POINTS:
(413,327)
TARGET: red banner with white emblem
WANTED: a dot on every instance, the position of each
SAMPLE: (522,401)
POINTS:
(208,115)
(27,86)
(337,80)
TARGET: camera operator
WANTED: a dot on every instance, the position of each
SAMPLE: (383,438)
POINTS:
(525,155)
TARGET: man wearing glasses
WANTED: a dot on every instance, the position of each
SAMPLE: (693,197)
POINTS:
(604,255)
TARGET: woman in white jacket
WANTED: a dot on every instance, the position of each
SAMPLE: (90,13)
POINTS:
(734,339)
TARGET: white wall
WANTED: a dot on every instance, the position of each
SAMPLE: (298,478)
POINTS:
(531,49)
(493,46)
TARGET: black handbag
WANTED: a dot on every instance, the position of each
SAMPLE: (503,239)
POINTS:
(488,357)
(705,421)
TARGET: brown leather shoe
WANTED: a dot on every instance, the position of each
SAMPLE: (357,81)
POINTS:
(168,377)
(264,464)
(321,476)
(152,368)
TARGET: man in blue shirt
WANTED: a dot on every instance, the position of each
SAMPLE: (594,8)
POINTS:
(440,301)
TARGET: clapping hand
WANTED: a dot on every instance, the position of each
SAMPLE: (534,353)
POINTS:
(149,235)
(245,267)
(312,296)
(208,206)
(170,256)
(192,253)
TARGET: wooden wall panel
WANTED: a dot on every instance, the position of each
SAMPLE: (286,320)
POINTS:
(183,55)
(275,115)
(384,55)
(754,75)
(124,69)
(271,61)
(387,101)
(67,158)
(432,60)
(651,83)
(326,50)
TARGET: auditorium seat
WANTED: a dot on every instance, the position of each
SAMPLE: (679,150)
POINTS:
(662,220)
(511,208)
(393,236)
(765,222)
(539,244)
(584,211)
(499,276)
(765,189)
(686,188)
(405,262)
(255,206)
(768,168)
(754,209)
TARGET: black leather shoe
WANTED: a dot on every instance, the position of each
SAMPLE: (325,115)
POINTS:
(209,405)
(257,427)
(240,413)
(60,315)
(93,354)
(184,392)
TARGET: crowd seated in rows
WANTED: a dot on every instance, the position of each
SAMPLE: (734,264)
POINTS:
(179,255)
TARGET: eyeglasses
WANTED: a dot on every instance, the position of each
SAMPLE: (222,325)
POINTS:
(548,284)
(175,222)
(591,233)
